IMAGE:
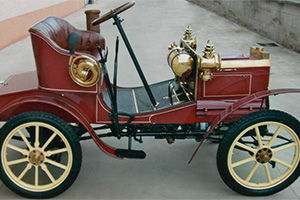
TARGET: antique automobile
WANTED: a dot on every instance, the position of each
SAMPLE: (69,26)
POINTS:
(70,97)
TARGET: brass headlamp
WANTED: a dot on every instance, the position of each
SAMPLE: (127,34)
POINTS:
(180,61)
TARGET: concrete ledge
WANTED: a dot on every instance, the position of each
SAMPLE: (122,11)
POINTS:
(274,19)
(293,2)
(16,28)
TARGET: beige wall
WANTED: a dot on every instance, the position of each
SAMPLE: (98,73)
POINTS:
(278,20)
(17,16)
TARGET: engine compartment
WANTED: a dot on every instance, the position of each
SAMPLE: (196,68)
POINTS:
(212,76)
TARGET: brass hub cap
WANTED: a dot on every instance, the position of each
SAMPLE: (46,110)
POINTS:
(36,157)
(264,155)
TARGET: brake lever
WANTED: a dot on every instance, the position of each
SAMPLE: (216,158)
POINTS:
(103,60)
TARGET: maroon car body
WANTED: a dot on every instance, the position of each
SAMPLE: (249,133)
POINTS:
(188,106)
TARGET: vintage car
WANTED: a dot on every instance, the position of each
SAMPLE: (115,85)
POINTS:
(225,99)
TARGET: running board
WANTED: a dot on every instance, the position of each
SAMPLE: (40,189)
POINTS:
(124,153)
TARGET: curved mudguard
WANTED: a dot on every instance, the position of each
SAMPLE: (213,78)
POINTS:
(69,108)
(242,102)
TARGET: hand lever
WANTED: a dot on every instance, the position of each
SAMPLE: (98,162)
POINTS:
(115,73)
(103,60)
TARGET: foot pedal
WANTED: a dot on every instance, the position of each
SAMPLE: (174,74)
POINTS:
(124,153)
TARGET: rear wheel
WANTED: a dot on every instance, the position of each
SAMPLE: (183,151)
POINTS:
(260,153)
(40,155)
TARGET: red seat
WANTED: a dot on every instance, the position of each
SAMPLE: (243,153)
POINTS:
(51,52)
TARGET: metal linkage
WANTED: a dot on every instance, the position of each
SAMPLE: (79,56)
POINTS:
(134,59)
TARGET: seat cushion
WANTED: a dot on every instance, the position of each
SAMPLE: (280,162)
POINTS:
(57,30)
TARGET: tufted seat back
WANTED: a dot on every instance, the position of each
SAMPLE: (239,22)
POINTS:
(57,30)
(51,52)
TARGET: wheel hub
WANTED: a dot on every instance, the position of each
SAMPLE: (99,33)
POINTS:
(264,155)
(36,157)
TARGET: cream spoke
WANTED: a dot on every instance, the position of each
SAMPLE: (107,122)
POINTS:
(258,137)
(36,178)
(27,168)
(46,170)
(282,162)
(49,141)
(241,162)
(243,146)
(25,139)
(57,151)
(267,172)
(38,157)
(52,162)
(14,162)
(284,147)
(252,172)
(274,136)
(262,156)
(18,149)
(37,137)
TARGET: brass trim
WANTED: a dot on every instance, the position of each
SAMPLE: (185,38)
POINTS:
(135,102)
(186,93)
(259,53)
(139,118)
(196,83)
(84,70)
(244,63)
(175,94)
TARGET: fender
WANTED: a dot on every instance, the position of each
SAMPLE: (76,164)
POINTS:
(242,102)
(67,107)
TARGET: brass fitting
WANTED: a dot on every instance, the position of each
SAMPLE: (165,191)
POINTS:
(206,75)
(209,61)
(209,50)
(188,39)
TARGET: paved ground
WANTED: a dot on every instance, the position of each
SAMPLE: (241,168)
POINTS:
(151,26)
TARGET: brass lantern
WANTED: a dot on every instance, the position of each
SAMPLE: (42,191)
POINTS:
(180,61)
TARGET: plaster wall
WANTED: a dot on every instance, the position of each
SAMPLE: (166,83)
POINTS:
(17,16)
(274,19)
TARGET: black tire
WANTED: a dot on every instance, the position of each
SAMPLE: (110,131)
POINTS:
(40,155)
(259,155)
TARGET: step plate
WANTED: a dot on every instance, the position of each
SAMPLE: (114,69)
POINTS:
(124,153)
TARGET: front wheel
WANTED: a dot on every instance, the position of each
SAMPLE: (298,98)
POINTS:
(260,153)
(40,155)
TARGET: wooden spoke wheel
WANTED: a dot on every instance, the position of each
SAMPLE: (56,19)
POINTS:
(40,155)
(260,153)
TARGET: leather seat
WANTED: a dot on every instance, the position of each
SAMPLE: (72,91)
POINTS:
(51,52)
(57,30)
